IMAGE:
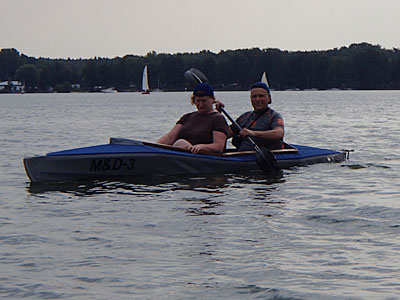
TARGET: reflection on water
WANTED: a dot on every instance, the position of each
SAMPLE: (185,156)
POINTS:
(207,207)
(366,165)
(155,184)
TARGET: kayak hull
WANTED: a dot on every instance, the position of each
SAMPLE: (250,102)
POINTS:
(132,159)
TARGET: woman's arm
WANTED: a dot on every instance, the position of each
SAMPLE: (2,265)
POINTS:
(218,144)
(230,132)
(171,136)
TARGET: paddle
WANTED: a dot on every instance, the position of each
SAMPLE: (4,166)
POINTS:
(266,161)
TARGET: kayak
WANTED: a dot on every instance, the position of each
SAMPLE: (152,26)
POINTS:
(125,158)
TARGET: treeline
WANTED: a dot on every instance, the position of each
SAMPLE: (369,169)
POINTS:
(359,66)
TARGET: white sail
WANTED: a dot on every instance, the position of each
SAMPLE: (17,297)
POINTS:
(264,79)
(145,80)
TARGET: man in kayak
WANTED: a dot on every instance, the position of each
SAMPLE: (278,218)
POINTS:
(205,129)
(264,125)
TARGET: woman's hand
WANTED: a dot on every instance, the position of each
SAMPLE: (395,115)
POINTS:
(219,105)
(196,148)
(218,144)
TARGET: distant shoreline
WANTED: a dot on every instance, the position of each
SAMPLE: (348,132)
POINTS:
(357,67)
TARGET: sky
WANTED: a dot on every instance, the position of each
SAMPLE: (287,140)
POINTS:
(111,28)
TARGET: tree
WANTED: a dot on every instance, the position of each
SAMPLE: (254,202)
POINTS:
(9,62)
(29,75)
(359,66)
(63,87)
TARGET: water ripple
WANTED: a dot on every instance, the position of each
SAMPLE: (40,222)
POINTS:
(326,231)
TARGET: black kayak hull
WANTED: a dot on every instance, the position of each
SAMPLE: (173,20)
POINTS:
(132,159)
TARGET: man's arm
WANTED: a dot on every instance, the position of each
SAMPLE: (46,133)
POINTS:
(275,134)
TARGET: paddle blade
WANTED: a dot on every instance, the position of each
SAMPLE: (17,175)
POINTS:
(194,76)
(267,162)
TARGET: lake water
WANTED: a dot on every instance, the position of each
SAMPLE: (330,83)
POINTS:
(327,231)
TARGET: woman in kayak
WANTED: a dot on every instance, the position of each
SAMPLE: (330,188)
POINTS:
(264,125)
(204,129)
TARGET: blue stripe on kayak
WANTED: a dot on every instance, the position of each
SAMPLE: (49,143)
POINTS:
(126,149)
(303,152)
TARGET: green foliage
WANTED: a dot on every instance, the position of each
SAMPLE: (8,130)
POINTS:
(10,60)
(359,66)
(64,87)
(29,75)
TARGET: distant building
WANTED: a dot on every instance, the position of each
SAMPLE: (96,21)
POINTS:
(11,87)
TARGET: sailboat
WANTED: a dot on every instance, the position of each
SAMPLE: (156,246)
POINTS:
(145,82)
(158,85)
(264,79)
